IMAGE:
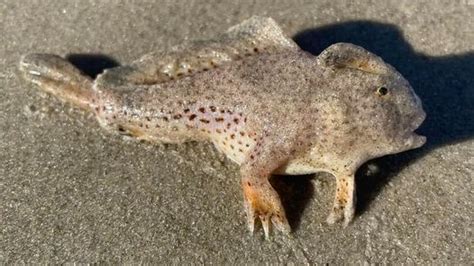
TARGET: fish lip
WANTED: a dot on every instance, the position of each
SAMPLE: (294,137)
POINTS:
(413,140)
(416,141)
(418,121)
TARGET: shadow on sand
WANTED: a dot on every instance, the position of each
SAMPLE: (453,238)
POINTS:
(444,84)
(92,64)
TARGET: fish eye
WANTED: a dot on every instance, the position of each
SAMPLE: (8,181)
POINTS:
(382,91)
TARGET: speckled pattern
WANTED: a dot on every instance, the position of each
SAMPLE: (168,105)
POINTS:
(72,192)
(265,103)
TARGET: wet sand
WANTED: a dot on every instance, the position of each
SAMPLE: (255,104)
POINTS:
(70,192)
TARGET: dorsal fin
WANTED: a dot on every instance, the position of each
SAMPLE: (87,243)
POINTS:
(253,36)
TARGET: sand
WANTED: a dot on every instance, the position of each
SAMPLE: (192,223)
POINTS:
(70,192)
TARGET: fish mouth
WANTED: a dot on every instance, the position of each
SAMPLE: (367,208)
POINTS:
(414,140)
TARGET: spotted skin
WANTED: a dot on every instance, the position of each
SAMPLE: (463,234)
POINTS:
(267,105)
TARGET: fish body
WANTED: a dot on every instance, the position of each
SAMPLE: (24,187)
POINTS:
(266,104)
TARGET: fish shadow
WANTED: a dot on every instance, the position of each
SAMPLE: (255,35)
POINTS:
(92,64)
(295,193)
(445,85)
